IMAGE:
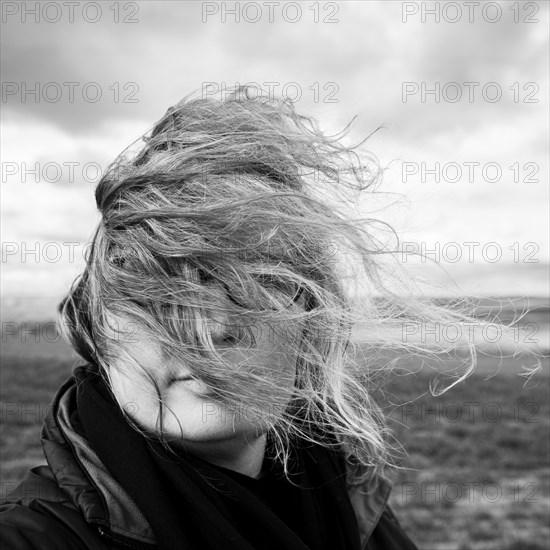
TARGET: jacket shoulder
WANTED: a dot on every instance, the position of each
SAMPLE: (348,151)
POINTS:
(368,500)
(37,514)
(389,534)
(39,484)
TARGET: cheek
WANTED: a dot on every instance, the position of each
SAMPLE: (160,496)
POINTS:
(278,355)
(136,397)
(272,360)
(186,414)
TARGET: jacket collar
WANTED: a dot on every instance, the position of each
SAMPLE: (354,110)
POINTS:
(103,501)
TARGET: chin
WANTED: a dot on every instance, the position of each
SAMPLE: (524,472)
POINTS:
(189,387)
(208,425)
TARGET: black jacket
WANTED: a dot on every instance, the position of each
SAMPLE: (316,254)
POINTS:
(75,504)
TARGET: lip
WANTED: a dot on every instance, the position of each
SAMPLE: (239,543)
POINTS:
(182,379)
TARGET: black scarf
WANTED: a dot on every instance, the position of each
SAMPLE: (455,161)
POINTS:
(189,503)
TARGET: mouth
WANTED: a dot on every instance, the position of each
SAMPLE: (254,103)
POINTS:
(182,379)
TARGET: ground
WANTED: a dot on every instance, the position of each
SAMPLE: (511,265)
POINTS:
(475,473)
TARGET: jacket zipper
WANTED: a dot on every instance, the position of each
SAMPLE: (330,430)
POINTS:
(117,540)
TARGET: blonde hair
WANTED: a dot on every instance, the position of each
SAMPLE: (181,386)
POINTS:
(240,196)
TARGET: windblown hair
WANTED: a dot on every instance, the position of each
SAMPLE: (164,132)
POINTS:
(238,206)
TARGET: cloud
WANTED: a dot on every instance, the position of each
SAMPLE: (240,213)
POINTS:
(362,61)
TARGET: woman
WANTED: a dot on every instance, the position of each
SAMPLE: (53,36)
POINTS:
(221,403)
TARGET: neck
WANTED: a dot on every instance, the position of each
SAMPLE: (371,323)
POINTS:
(245,456)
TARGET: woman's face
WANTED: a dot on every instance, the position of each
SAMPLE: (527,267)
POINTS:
(190,413)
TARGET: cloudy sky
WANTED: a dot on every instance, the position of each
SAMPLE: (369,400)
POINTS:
(463,92)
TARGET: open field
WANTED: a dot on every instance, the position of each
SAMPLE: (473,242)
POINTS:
(476,473)
(477,470)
